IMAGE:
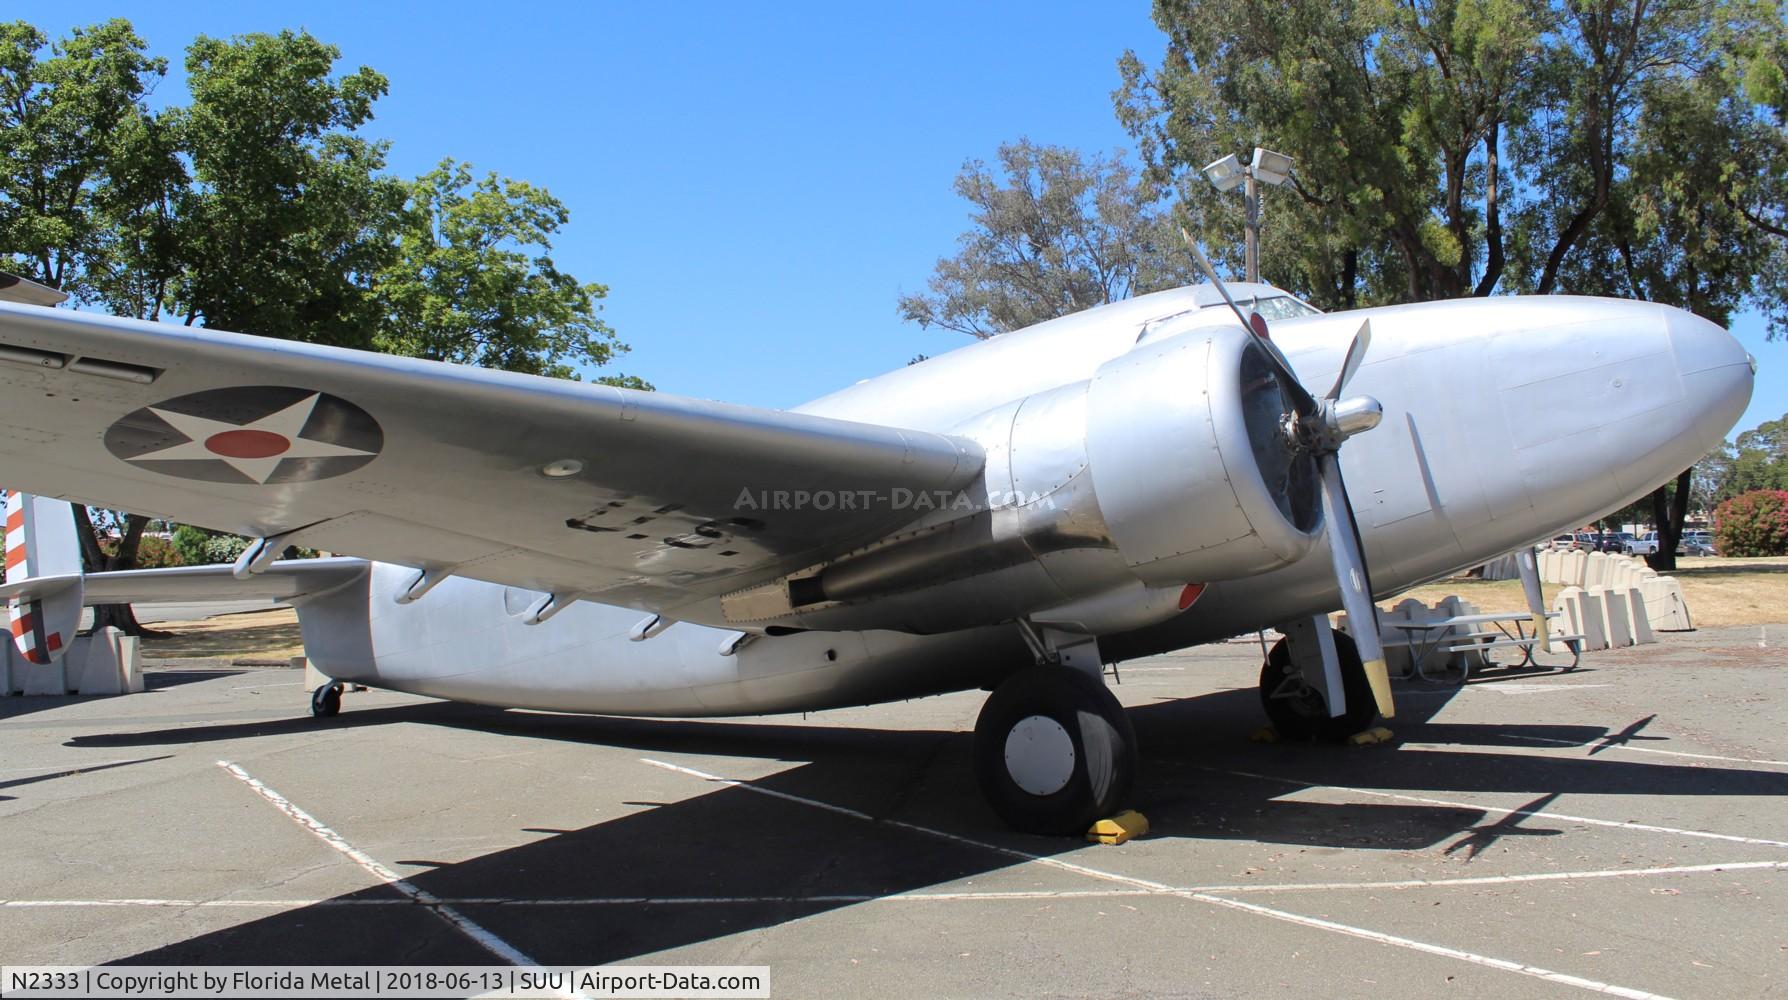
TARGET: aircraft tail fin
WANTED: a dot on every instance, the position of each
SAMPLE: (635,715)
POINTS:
(43,554)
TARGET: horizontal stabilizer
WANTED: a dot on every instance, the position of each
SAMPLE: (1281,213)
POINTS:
(285,581)
(16,289)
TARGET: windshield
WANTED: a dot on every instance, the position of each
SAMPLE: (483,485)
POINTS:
(1280,307)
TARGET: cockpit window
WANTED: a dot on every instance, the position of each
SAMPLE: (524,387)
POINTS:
(1279,307)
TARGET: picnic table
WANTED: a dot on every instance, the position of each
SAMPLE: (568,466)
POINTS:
(1484,632)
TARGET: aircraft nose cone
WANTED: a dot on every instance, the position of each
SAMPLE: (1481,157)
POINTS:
(1717,374)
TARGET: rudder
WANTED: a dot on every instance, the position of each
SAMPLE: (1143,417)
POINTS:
(41,542)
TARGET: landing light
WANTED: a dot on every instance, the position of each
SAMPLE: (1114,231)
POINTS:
(562,468)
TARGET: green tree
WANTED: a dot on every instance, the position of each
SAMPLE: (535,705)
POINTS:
(1454,147)
(1756,460)
(1058,233)
(473,281)
(61,119)
(289,217)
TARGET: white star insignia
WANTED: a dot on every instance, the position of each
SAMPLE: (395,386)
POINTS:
(284,423)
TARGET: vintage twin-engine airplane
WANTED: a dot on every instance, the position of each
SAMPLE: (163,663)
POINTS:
(1136,478)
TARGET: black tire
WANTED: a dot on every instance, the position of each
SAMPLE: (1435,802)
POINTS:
(1092,784)
(1305,714)
(325,701)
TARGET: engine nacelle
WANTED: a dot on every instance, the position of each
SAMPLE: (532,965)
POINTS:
(1195,476)
(1169,467)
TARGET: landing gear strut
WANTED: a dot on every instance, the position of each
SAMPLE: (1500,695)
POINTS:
(1297,707)
(325,701)
(1054,751)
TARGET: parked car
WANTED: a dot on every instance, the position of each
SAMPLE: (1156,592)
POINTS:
(1695,543)
(1644,545)
(1616,541)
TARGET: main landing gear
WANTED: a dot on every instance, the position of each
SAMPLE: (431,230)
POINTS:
(1054,751)
(1293,686)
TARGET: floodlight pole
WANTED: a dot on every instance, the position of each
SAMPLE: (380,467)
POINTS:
(1251,223)
(1273,168)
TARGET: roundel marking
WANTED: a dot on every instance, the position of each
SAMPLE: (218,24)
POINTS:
(256,434)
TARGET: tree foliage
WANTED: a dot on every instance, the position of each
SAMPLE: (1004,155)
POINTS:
(1756,460)
(1054,232)
(67,120)
(289,216)
(1459,147)
(473,281)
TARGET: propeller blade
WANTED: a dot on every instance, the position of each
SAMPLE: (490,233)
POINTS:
(1345,546)
(1356,587)
(1356,356)
(1302,402)
(1210,274)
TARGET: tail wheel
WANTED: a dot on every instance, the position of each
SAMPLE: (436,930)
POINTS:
(325,701)
(1299,711)
(1054,751)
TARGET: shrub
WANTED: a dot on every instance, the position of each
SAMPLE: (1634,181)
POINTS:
(1752,524)
(224,548)
(190,541)
(152,552)
(199,547)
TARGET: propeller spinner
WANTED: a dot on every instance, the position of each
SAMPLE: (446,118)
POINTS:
(1319,426)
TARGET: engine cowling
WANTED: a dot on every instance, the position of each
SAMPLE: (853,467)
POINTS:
(1170,466)
(1195,476)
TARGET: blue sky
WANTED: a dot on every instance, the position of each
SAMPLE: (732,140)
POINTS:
(755,183)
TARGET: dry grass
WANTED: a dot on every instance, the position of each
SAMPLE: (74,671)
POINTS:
(1719,591)
(255,635)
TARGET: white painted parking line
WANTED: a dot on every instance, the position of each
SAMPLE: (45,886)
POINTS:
(977,896)
(1443,883)
(1515,687)
(1538,813)
(1485,961)
(487,940)
(1503,964)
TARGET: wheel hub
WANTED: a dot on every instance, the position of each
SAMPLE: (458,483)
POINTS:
(1039,755)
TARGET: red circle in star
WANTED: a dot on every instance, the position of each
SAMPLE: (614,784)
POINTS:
(1190,594)
(247,444)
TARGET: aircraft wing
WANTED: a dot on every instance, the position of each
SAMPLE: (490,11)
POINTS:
(586,491)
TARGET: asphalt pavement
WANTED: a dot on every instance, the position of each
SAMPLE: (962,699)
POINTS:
(1623,827)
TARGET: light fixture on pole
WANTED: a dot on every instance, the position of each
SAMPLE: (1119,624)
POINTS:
(1228,173)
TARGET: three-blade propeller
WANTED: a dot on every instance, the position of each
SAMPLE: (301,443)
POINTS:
(1320,426)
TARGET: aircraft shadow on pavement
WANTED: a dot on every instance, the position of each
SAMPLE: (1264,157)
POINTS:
(52,775)
(756,861)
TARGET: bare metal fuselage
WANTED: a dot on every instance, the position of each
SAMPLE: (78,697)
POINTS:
(1505,420)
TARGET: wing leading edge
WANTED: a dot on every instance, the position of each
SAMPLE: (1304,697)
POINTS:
(634,498)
